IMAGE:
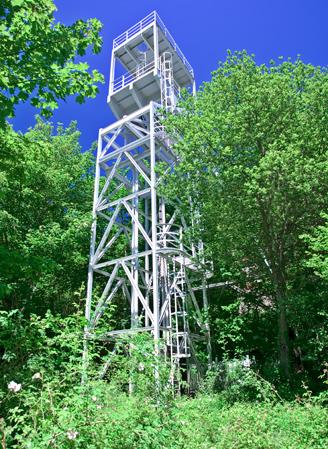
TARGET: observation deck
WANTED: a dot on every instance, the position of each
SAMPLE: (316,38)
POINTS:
(142,57)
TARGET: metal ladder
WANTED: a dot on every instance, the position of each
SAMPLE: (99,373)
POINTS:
(167,82)
(178,315)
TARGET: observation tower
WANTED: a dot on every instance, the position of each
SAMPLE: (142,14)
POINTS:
(141,256)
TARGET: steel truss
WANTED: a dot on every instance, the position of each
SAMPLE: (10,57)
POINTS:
(139,251)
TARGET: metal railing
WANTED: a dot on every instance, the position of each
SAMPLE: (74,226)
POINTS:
(129,77)
(177,89)
(169,236)
(144,23)
(135,29)
(173,43)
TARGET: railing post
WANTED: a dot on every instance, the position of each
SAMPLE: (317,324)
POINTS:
(156,48)
(112,74)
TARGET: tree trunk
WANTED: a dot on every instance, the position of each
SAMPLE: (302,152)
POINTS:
(283,339)
(274,250)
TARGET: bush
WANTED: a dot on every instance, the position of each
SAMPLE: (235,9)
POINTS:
(94,416)
(45,405)
(238,383)
(207,422)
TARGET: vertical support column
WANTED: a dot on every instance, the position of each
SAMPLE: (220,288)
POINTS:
(194,88)
(112,74)
(147,275)
(135,261)
(163,265)
(93,231)
(134,247)
(156,48)
(91,260)
(154,227)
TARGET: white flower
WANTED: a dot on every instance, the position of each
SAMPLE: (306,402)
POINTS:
(37,376)
(72,434)
(247,362)
(14,387)
(99,406)
(94,398)
(141,367)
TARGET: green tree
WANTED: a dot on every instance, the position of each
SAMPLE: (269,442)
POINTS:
(46,188)
(318,249)
(255,150)
(40,57)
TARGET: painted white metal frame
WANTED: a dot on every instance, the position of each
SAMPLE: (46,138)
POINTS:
(143,25)
(138,250)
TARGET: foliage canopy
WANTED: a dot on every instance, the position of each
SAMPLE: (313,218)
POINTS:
(255,150)
(40,58)
(46,193)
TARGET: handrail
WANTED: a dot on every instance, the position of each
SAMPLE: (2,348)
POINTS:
(135,29)
(174,44)
(169,236)
(145,22)
(177,89)
(129,77)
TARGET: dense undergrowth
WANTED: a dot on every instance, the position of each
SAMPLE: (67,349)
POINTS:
(44,404)
(115,420)
(104,417)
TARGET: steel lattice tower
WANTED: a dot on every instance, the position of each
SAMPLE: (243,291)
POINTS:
(138,250)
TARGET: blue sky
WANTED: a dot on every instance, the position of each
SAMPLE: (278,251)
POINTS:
(204,30)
